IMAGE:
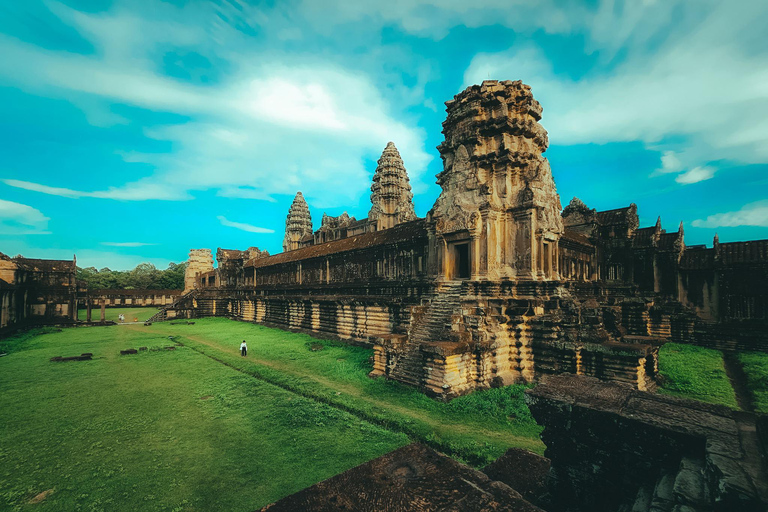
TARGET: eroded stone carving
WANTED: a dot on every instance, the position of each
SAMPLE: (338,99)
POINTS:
(493,168)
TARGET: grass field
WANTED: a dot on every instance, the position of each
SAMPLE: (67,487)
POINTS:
(476,429)
(142,314)
(694,372)
(201,428)
(755,366)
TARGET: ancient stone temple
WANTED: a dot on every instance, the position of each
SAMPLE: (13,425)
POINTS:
(298,224)
(391,197)
(498,215)
(496,285)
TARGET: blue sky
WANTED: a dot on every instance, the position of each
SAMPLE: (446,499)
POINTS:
(135,130)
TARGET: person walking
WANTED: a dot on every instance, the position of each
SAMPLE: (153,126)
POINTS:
(243,349)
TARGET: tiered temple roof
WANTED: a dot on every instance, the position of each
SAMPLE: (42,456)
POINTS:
(298,224)
(391,197)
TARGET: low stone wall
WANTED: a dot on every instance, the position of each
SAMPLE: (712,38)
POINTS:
(616,448)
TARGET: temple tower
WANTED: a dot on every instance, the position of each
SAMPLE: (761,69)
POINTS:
(298,224)
(391,191)
(498,215)
(200,261)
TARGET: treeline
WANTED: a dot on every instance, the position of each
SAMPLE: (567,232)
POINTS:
(144,277)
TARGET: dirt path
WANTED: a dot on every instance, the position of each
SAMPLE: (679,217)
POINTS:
(438,425)
(735,373)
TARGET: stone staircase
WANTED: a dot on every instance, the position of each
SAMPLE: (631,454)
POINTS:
(162,315)
(431,322)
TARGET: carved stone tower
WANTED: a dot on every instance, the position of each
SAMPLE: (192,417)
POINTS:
(298,224)
(391,191)
(200,261)
(498,215)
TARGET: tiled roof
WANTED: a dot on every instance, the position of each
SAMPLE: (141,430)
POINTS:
(644,237)
(404,232)
(576,237)
(667,240)
(617,216)
(37,265)
(753,251)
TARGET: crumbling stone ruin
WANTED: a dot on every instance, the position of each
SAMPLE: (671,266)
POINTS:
(496,285)
(610,448)
(615,448)
(200,261)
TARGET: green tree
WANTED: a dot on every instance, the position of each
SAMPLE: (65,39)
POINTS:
(173,277)
(144,276)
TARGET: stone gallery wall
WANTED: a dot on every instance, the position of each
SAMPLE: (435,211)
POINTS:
(37,292)
(130,298)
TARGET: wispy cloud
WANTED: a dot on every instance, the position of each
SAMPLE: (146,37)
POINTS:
(138,191)
(243,226)
(753,214)
(21,219)
(126,244)
(668,92)
(695,175)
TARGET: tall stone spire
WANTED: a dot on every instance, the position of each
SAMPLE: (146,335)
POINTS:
(298,224)
(391,191)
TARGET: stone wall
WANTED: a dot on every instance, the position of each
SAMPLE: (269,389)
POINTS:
(131,298)
(615,448)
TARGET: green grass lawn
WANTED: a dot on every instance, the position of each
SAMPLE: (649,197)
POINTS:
(201,428)
(142,314)
(476,429)
(160,430)
(694,372)
(756,369)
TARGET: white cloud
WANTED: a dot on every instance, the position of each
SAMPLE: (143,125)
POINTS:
(242,226)
(274,123)
(753,214)
(670,163)
(695,175)
(126,244)
(138,191)
(21,219)
(692,82)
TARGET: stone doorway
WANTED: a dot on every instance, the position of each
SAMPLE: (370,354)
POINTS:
(461,261)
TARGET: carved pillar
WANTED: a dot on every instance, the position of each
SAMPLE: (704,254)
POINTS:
(88,310)
(103,310)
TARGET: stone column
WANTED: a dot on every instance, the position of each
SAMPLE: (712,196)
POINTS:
(88,310)
(103,311)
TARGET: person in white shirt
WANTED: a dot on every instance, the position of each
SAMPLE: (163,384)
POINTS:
(243,349)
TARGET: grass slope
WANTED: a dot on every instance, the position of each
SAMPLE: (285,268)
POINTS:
(160,430)
(695,372)
(477,428)
(755,366)
(142,314)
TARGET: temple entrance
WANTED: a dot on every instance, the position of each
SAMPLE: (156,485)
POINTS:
(461,261)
